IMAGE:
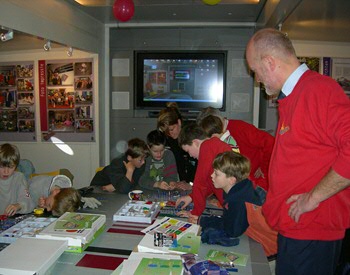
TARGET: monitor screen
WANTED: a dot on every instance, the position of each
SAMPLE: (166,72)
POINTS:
(194,80)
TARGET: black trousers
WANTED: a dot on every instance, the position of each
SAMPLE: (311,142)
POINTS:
(306,257)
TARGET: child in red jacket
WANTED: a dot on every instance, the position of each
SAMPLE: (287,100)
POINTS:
(194,140)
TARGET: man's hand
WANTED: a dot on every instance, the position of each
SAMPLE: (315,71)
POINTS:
(301,204)
(109,187)
(186,201)
(12,209)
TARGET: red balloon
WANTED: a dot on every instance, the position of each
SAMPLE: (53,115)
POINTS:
(123,10)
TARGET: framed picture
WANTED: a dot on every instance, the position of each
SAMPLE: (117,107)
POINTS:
(83,83)
(83,112)
(84,125)
(8,99)
(24,71)
(83,68)
(26,112)
(83,97)
(62,98)
(60,74)
(61,121)
(25,84)
(25,98)
(27,125)
(8,121)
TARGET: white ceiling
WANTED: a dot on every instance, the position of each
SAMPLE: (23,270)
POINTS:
(314,20)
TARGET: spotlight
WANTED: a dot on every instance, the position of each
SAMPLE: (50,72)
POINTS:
(47,45)
(70,51)
(6,36)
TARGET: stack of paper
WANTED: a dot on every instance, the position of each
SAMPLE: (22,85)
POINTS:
(80,229)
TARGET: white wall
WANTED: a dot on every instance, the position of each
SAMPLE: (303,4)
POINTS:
(45,155)
(311,49)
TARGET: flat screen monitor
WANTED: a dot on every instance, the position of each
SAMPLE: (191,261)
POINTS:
(192,79)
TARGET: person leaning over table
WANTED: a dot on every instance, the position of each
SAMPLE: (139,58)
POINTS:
(308,201)
(124,172)
(253,143)
(194,140)
(170,122)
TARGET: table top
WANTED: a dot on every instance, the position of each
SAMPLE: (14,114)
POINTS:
(112,246)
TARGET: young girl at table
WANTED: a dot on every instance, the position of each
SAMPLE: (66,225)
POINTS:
(124,172)
(242,204)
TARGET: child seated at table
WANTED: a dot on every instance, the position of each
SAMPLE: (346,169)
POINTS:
(242,204)
(124,172)
(56,194)
(160,166)
(14,191)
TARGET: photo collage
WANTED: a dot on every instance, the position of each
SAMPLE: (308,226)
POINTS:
(70,97)
(17,109)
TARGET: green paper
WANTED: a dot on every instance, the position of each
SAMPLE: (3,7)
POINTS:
(188,243)
(227,257)
(159,267)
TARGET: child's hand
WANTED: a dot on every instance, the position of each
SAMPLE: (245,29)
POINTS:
(42,202)
(192,218)
(182,185)
(109,187)
(185,200)
(12,209)
(172,185)
(183,214)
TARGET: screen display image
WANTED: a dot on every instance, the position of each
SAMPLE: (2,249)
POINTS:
(193,80)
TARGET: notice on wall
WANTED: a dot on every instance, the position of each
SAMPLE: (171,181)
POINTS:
(120,101)
(120,67)
(240,68)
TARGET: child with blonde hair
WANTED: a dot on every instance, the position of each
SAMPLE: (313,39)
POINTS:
(14,192)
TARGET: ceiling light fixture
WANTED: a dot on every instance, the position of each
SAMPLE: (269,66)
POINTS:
(6,36)
(70,51)
(47,45)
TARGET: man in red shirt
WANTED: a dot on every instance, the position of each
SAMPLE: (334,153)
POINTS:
(308,198)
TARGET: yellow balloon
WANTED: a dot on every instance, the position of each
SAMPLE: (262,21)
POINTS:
(211,2)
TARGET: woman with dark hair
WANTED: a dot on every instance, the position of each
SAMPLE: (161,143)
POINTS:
(170,122)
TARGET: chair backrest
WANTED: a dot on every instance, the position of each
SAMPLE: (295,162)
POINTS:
(26,167)
(99,169)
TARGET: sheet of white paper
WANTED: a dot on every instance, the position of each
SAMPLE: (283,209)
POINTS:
(120,67)
(120,101)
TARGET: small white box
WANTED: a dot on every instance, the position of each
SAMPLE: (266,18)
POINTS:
(137,211)
(19,258)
